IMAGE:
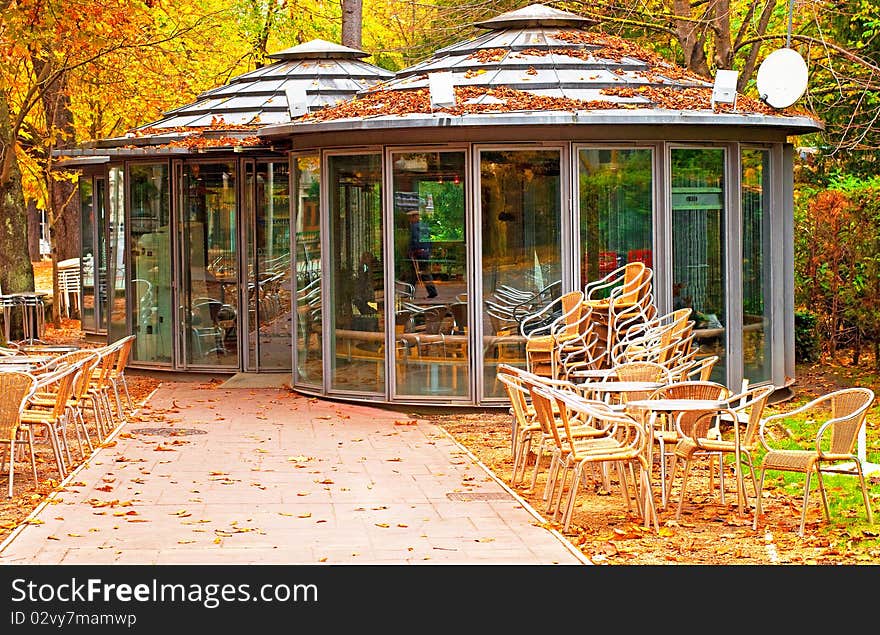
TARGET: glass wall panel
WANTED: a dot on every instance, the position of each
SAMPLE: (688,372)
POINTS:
(267,210)
(358,344)
(150,234)
(430,268)
(616,208)
(698,238)
(756,271)
(209,272)
(116,310)
(520,203)
(307,281)
(87,253)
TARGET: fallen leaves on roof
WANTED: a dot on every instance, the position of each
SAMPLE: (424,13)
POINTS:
(505,99)
(667,86)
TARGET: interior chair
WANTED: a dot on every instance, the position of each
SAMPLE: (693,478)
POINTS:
(665,428)
(17,388)
(621,441)
(207,334)
(710,434)
(841,416)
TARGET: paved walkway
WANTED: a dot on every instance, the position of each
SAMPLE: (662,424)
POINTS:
(209,475)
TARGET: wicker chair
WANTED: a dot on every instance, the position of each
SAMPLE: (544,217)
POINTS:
(620,300)
(535,435)
(617,439)
(16,388)
(666,434)
(79,398)
(546,330)
(842,414)
(117,373)
(51,413)
(706,438)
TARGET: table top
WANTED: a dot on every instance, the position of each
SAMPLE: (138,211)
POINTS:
(49,348)
(24,360)
(13,368)
(678,404)
(622,386)
(591,373)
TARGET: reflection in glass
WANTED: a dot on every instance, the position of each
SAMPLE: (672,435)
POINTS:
(116,310)
(756,233)
(616,204)
(430,270)
(209,273)
(267,209)
(698,246)
(87,250)
(358,346)
(149,226)
(307,281)
(521,265)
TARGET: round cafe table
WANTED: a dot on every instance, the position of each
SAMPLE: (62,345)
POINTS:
(672,407)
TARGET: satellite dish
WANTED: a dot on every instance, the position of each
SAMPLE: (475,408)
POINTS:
(782,78)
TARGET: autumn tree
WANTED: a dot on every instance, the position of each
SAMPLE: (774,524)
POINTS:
(45,47)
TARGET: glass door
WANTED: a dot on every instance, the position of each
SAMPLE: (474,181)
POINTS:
(150,270)
(432,352)
(698,239)
(208,287)
(521,235)
(93,262)
(266,210)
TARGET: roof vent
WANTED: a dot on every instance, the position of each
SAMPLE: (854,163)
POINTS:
(724,90)
(441,90)
(297,100)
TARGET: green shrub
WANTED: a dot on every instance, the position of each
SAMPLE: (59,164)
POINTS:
(806,336)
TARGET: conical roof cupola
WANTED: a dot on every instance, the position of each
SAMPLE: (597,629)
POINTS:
(317,74)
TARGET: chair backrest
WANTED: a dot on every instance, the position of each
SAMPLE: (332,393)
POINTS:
(695,369)
(636,282)
(687,421)
(124,352)
(751,403)
(89,360)
(17,388)
(849,408)
(60,383)
(518,395)
(628,432)
(641,371)
(572,305)
(107,356)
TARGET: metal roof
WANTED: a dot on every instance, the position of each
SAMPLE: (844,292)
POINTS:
(542,61)
(321,72)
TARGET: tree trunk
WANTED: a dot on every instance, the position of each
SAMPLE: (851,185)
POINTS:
(63,212)
(352,23)
(33,231)
(16,271)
